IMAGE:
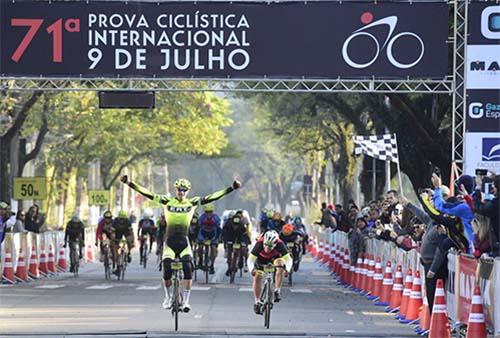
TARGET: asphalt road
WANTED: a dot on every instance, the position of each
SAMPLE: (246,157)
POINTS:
(88,306)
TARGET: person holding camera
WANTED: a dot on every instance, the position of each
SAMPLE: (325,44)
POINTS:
(489,208)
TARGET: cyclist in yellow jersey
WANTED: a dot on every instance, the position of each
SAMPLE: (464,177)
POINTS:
(178,213)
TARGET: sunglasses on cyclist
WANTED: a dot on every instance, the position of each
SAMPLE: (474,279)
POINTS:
(182,189)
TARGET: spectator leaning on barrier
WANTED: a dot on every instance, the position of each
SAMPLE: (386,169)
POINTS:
(34,220)
(431,257)
(489,208)
(457,207)
(327,219)
(19,224)
(358,238)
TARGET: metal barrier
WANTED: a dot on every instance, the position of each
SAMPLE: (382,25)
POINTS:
(39,245)
(464,272)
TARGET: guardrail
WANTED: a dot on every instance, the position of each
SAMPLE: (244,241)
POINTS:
(464,273)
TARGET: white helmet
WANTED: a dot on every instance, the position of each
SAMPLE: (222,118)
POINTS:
(271,238)
(365,211)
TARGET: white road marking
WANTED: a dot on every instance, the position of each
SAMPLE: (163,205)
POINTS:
(201,288)
(198,316)
(149,287)
(100,287)
(350,331)
(301,290)
(246,289)
(351,313)
(50,286)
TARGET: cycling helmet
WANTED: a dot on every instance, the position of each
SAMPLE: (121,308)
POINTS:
(122,214)
(208,207)
(271,238)
(107,214)
(269,213)
(365,211)
(287,229)
(182,183)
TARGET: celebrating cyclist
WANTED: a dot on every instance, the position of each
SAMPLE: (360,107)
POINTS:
(122,228)
(269,249)
(209,229)
(178,212)
(74,234)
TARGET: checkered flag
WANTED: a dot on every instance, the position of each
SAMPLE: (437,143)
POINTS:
(381,147)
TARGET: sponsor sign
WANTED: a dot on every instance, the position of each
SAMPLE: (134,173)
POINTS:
(99,197)
(483,67)
(482,151)
(483,111)
(484,23)
(465,289)
(222,39)
(30,188)
(487,283)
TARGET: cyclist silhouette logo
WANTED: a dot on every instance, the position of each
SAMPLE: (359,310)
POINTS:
(356,40)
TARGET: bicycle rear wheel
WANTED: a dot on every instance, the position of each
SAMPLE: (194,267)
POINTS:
(145,254)
(207,263)
(268,305)
(107,273)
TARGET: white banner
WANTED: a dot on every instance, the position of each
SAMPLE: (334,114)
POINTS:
(451,284)
(483,67)
(482,151)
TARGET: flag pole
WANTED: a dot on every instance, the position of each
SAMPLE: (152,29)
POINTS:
(399,169)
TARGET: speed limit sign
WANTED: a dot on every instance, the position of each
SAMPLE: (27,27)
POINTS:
(99,197)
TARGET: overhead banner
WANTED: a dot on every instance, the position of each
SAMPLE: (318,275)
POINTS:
(95,39)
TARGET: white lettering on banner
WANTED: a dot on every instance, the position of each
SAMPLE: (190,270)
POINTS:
(483,67)
(467,283)
(185,34)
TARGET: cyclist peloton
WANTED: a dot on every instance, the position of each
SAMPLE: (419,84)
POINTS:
(209,223)
(236,230)
(178,213)
(269,249)
(289,235)
(74,234)
(122,228)
(146,226)
(104,227)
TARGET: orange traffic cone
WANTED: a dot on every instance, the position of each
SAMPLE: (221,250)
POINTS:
(320,251)
(21,273)
(314,249)
(326,254)
(8,269)
(369,277)
(33,267)
(377,280)
(364,274)
(476,327)
(352,275)
(387,282)
(425,319)
(440,327)
(343,267)
(397,291)
(415,301)
(51,261)
(43,267)
(339,259)
(90,253)
(357,272)
(332,258)
(347,266)
(406,295)
(62,265)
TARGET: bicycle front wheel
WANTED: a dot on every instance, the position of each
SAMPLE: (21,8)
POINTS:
(176,304)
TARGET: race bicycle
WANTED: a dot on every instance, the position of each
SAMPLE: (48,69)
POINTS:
(144,249)
(207,247)
(235,259)
(177,276)
(121,261)
(106,259)
(267,293)
(74,257)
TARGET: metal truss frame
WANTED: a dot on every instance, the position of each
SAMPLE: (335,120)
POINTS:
(459,105)
(231,85)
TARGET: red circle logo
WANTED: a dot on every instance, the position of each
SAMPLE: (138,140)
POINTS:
(366,18)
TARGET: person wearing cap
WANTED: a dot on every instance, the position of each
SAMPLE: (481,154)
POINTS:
(4,216)
(104,227)
(358,237)
(75,235)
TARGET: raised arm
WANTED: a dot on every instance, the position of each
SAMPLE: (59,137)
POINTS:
(216,195)
(145,192)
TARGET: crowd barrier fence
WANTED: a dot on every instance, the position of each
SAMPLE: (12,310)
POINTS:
(464,272)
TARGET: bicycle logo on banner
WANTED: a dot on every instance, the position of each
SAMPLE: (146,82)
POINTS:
(391,21)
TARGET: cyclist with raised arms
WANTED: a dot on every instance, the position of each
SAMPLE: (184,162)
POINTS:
(269,249)
(178,212)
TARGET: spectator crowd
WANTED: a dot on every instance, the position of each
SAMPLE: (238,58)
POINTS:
(467,222)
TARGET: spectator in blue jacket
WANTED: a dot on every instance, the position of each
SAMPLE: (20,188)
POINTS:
(458,208)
